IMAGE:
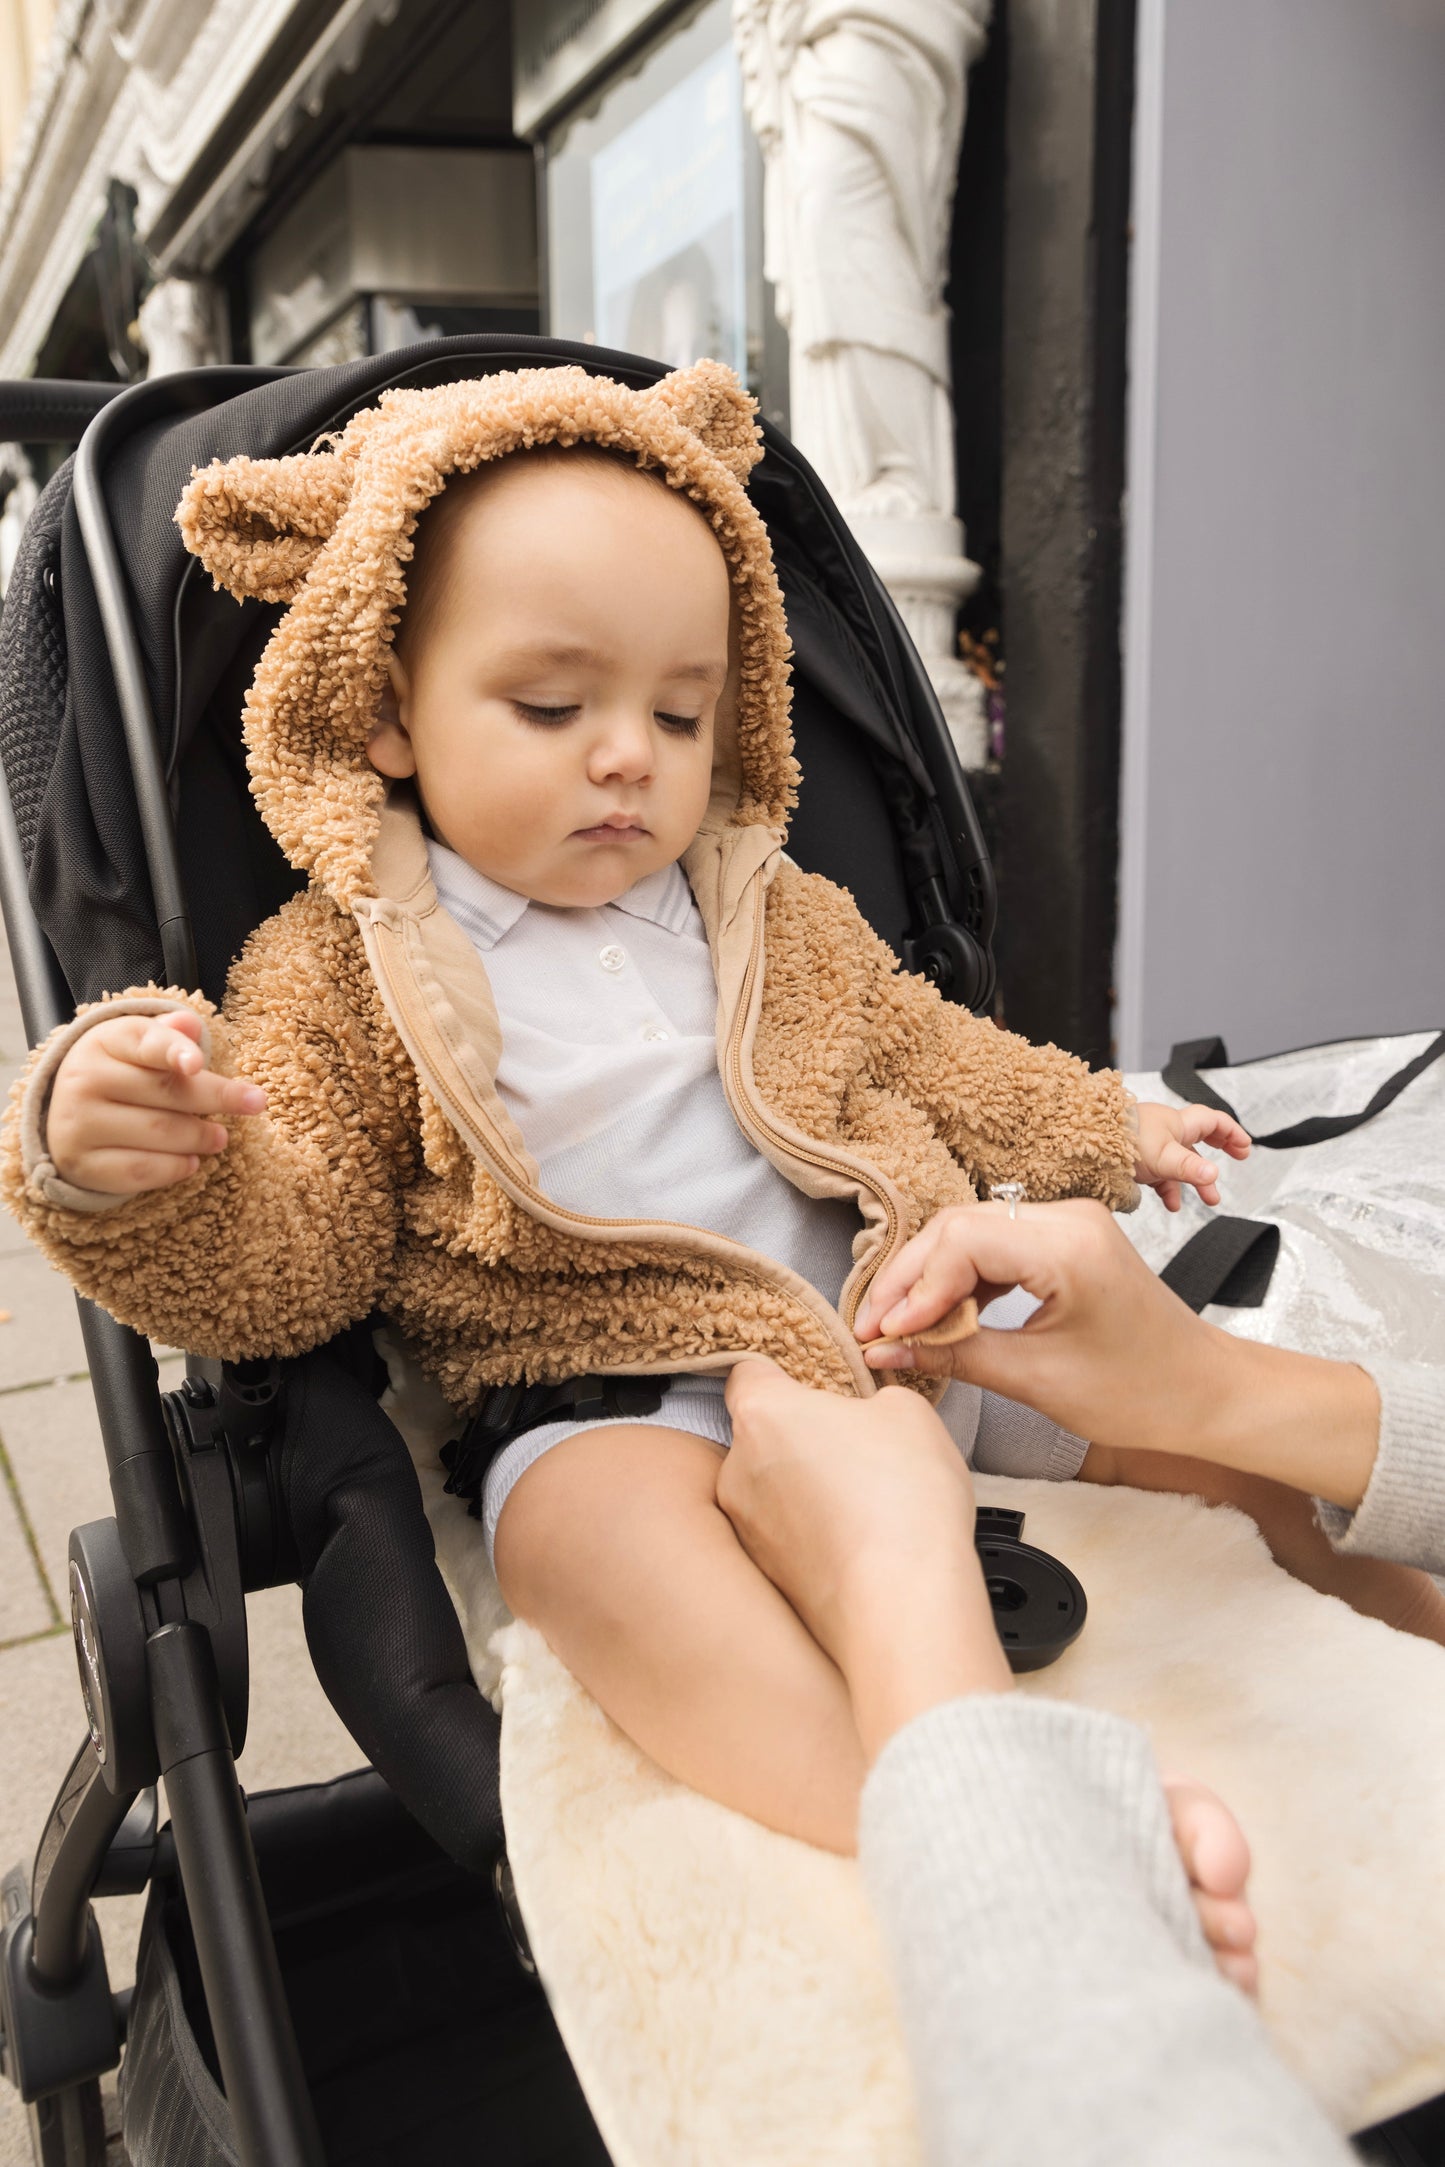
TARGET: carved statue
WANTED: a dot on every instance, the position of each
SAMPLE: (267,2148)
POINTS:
(859,108)
(182,325)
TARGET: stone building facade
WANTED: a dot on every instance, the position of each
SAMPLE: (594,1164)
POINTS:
(788,183)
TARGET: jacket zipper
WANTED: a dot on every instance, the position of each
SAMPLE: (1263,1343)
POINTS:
(514,1185)
(757,1115)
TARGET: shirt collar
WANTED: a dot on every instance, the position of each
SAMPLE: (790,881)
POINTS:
(486,911)
(483,908)
(663,896)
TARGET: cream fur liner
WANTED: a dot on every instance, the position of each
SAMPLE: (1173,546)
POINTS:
(720,1988)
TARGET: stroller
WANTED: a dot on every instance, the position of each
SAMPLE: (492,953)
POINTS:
(329,1972)
(338,1971)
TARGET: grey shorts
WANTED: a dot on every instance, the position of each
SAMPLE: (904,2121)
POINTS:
(996,1436)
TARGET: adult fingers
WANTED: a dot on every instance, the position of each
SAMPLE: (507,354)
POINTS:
(752,1384)
(996,1361)
(960,1249)
(979,1248)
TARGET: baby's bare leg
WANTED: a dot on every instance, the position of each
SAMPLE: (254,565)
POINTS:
(613,1546)
(1402,1597)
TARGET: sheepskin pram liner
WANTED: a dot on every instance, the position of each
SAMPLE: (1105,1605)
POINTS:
(721,1989)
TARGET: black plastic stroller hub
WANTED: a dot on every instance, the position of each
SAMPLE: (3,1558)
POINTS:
(1039,1606)
(109,1627)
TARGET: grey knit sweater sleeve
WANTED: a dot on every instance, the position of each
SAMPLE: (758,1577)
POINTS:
(1402,1514)
(1054,1987)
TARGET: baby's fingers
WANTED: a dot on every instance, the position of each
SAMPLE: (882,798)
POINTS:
(1176,1162)
(1210,1125)
(231,1094)
(163,1064)
(121,1172)
(171,1043)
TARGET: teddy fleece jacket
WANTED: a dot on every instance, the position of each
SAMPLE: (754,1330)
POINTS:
(386,1174)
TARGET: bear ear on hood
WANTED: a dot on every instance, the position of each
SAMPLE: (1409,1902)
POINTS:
(708,399)
(258,524)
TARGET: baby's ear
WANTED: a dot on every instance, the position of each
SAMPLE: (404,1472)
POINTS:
(257,524)
(709,400)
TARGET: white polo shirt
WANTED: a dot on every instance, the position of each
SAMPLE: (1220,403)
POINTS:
(609,1069)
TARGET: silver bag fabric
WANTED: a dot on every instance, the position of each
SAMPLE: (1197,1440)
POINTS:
(1361,1267)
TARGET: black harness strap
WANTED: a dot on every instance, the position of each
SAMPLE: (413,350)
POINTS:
(508,1411)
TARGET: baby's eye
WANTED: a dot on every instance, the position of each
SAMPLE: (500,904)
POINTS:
(543,715)
(683,725)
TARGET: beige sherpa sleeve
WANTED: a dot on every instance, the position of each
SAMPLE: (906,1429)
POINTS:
(1008,1110)
(283,1238)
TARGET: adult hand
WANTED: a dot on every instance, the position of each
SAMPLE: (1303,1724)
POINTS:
(861,1512)
(1114,1356)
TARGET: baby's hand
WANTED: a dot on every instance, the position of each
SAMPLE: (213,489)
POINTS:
(133,1105)
(1165,1159)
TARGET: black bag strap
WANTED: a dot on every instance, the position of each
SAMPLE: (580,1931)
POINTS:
(1181,1074)
(1229,1261)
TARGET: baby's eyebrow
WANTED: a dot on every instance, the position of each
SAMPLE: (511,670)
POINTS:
(568,655)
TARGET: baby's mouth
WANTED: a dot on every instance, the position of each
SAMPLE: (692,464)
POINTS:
(611,831)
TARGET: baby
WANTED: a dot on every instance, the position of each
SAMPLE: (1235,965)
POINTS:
(558,1062)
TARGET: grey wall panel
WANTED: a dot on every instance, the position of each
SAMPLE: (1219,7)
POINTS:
(1283,801)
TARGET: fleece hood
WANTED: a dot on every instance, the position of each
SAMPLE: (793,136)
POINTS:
(330,532)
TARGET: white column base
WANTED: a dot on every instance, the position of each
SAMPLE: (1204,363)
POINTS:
(920,559)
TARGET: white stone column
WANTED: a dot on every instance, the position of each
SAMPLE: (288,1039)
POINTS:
(19,491)
(183,325)
(859,108)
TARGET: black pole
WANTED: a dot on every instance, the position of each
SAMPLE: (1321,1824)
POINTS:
(77,1836)
(1070,98)
(44,996)
(142,743)
(261,2069)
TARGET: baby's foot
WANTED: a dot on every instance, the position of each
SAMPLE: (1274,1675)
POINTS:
(1216,1859)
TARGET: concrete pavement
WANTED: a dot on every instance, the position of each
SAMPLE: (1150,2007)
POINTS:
(52,1478)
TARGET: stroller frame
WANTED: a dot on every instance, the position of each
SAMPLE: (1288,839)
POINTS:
(157,1593)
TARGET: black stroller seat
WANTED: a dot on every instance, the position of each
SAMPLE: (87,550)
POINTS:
(326,1973)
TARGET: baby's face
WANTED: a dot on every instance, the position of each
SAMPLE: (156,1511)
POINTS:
(557,708)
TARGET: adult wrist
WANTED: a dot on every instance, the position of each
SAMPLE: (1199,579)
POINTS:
(1298,1419)
(908,1642)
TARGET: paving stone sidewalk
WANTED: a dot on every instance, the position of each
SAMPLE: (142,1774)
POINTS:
(53,1478)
